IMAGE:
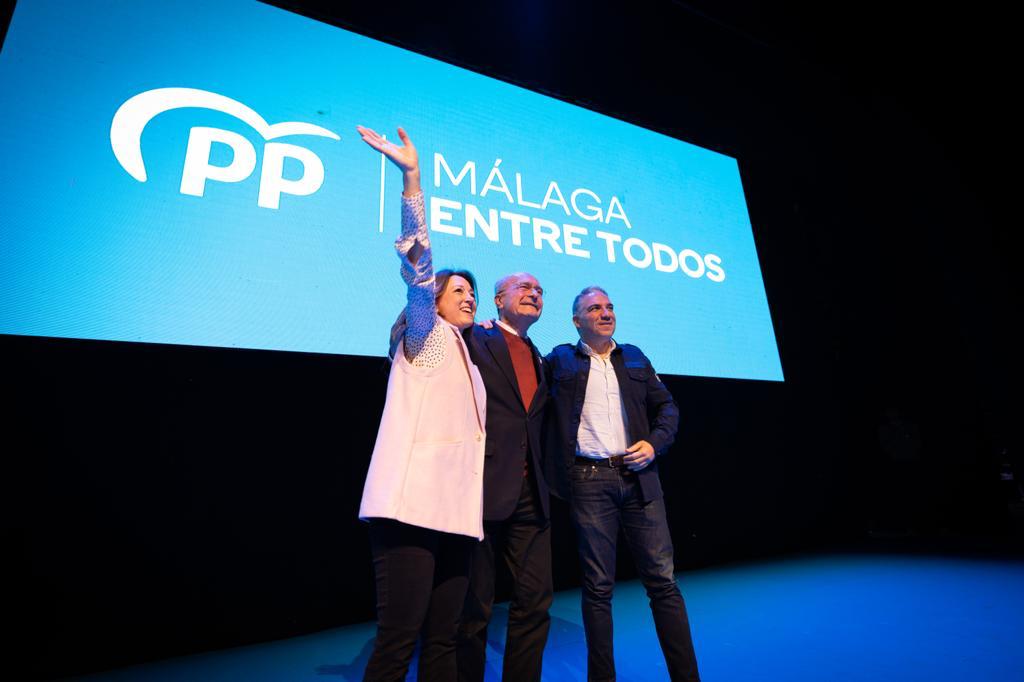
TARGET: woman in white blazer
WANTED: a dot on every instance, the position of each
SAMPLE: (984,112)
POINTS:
(423,495)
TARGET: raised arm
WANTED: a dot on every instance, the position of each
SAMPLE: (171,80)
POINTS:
(413,247)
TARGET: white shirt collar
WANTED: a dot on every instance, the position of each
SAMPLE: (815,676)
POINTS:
(593,353)
(507,327)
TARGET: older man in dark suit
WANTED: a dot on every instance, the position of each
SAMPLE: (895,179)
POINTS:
(516,511)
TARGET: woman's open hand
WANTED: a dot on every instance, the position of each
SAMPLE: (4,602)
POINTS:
(403,156)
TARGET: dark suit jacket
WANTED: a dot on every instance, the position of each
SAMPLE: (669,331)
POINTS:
(512,431)
(651,413)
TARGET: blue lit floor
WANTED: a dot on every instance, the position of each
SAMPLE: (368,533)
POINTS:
(830,618)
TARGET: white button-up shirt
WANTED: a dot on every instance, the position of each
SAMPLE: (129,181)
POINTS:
(602,431)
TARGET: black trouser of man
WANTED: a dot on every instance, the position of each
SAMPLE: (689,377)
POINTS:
(421,576)
(524,540)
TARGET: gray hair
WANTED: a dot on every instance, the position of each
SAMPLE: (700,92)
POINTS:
(592,289)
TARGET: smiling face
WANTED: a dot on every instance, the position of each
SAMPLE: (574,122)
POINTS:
(457,303)
(519,299)
(594,318)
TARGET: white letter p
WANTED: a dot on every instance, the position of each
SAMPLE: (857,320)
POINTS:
(197,159)
(272,184)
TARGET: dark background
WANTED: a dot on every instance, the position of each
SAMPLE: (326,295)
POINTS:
(159,500)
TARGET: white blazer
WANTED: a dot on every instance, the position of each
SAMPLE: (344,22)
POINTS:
(428,462)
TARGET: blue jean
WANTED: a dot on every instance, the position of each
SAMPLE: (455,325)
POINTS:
(603,501)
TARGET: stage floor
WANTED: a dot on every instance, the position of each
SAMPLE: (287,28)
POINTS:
(837,617)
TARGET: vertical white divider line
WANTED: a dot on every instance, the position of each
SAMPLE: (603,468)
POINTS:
(380,227)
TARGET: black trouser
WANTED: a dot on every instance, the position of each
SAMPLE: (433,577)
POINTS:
(422,577)
(524,540)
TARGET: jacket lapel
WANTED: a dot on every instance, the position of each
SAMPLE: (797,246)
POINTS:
(619,365)
(582,375)
(542,385)
(498,349)
(467,363)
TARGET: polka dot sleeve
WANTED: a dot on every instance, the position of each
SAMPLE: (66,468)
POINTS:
(424,333)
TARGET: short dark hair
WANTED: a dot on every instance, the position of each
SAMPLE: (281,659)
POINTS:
(592,289)
(441,278)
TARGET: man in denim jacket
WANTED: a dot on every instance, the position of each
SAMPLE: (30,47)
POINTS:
(610,417)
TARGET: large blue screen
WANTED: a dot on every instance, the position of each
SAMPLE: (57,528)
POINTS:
(190,174)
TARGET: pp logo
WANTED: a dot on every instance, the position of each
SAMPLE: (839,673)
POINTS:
(132,116)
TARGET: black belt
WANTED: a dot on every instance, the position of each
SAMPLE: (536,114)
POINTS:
(613,462)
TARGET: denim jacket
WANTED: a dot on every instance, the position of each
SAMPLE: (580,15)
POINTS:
(651,413)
